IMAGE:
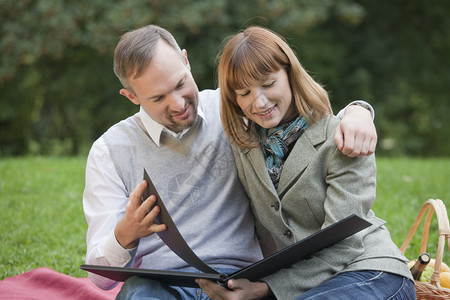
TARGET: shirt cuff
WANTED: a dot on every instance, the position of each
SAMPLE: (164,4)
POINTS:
(363,103)
(115,254)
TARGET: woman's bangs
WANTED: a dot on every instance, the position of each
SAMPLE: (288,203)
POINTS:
(249,66)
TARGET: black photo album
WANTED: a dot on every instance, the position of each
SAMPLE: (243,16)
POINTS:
(281,259)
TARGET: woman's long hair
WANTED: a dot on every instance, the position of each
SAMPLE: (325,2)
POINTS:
(247,57)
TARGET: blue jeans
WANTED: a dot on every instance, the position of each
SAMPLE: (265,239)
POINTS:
(365,285)
(141,288)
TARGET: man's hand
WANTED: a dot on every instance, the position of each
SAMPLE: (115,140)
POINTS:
(356,134)
(240,289)
(138,220)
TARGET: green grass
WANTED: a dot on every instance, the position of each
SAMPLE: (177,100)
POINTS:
(41,216)
(42,222)
(403,185)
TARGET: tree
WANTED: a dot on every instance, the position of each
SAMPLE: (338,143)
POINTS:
(59,92)
(396,58)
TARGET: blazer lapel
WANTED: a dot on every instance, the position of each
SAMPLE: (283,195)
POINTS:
(256,158)
(302,153)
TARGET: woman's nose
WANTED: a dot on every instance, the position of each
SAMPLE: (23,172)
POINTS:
(260,100)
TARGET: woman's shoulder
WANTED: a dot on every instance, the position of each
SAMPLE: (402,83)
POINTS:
(323,129)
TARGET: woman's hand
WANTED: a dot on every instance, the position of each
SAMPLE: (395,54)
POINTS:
(239,289)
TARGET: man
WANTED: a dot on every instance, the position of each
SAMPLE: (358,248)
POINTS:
(178,138)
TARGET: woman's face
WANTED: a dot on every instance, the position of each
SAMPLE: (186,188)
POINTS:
(267,102)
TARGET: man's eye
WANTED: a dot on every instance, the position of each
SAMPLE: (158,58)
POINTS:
(181,84)
(158,99)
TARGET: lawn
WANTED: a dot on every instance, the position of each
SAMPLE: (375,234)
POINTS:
(42,222)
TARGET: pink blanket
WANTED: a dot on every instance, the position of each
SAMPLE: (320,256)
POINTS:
(45,283)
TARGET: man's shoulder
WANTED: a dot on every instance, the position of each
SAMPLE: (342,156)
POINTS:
(209,101)
(209,97)
(210,93)
(128,122)
(121,130)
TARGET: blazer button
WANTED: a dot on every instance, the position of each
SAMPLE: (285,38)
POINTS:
(276,206)
(288,234)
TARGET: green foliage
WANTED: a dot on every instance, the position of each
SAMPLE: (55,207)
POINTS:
(43,225)
(59,92)
(395,58)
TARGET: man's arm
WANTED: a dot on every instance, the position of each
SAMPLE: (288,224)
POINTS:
(104,203)
(356,134)
(138,220)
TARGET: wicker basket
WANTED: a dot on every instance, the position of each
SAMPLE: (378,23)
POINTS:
(431,290)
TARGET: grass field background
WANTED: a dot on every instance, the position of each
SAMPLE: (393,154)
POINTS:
(42,222)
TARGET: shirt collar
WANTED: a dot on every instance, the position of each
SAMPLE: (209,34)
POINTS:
(155,129)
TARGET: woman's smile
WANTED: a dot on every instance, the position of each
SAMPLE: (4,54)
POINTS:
(267,112)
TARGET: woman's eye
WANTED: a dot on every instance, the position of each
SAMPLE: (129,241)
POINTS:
(243,93)
(269,84)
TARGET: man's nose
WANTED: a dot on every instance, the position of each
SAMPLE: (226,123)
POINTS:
(176,102)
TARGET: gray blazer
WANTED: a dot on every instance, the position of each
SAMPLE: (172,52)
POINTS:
(318,186)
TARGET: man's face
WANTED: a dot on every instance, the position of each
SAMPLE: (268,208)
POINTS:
(166,91)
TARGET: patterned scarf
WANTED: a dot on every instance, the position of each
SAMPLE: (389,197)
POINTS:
(276,143)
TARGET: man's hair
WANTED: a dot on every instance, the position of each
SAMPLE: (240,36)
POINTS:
(135,50)
(251,55)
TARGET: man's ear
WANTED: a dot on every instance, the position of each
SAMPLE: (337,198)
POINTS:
(130,96)
(186,60)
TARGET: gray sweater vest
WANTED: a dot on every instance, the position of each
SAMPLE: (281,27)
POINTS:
(197,180)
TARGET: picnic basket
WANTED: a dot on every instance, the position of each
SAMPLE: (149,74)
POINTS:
(431,290)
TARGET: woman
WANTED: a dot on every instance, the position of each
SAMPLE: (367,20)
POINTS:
(280,123)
